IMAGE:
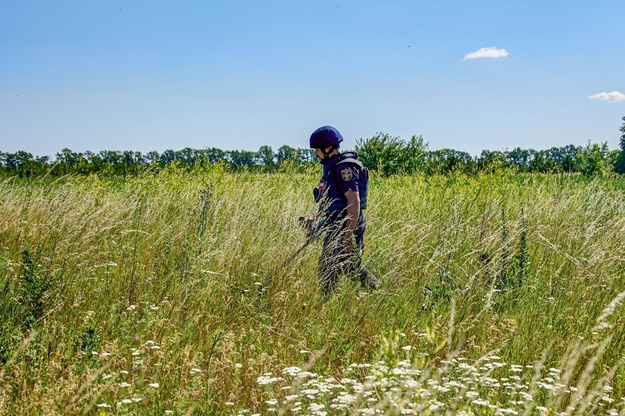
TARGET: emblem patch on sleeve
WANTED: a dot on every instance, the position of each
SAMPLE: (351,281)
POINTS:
(347,175)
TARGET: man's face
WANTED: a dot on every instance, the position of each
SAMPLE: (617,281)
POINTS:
(320,154)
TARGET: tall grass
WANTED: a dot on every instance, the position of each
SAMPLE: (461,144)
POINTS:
(173,293)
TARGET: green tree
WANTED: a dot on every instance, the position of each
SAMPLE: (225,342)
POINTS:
(286,154)
(68,161)
(152,157)
(415,155)
(240,158)
(23,164)
(382,153)
(306,156)
(265,157)
(215,155)
(619,167)
(595,160)
(492,161)
(541,163)
(567,158)
(520,158)
(446,161)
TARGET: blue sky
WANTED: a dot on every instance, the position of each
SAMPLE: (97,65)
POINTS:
(155,75)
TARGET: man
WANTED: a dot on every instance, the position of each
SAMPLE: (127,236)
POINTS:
(342,196)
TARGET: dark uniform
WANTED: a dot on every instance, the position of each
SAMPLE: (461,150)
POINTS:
(338,179)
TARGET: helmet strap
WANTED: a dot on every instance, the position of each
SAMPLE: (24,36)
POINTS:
(327,154)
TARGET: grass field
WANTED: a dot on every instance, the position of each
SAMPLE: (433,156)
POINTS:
(168,294)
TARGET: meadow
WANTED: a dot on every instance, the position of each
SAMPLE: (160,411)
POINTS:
(173,293)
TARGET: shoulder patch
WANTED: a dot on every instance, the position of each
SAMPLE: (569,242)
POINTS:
(346,174)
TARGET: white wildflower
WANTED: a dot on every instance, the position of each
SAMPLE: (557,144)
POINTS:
(454,383)
(545,386)
(436,406)
(154,385)
(507,411)
(310,392)
(292,371)
(411,384)
(346,398)
(472,394)
(103,406)
(481,402)
(124,384)
(267,379)
(131,308)
(467,367)
(442,389)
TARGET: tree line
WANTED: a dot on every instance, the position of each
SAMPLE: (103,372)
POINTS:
(385,154)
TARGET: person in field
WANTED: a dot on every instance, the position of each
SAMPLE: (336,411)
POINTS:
(342,198)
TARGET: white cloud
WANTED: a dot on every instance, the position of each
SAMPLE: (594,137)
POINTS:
(612,97)
(491,52)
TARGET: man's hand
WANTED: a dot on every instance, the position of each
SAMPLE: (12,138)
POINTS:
(306,222)
(348,244)
(311,225)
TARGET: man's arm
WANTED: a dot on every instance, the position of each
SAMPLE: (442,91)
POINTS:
(353,212)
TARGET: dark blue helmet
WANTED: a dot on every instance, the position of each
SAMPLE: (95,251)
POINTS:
(326,136)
